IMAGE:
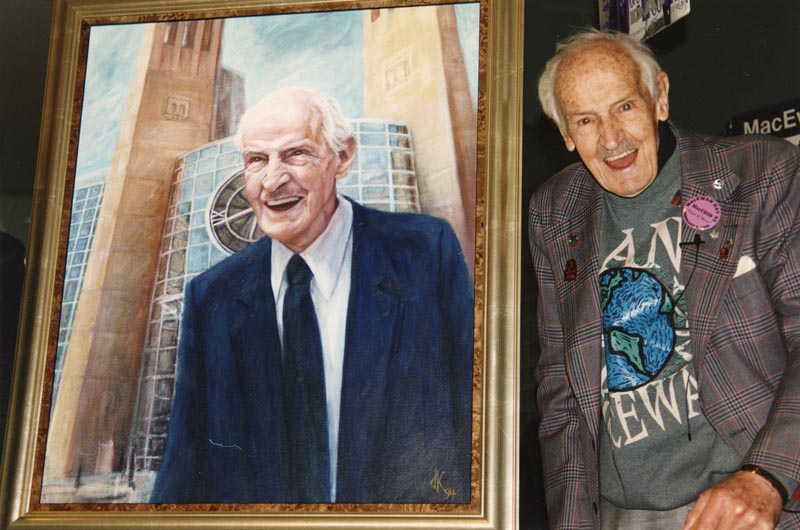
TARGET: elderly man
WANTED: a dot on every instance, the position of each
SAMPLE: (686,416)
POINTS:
(668,267)
(330,361)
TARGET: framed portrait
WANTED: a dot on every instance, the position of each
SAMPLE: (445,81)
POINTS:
(154,381)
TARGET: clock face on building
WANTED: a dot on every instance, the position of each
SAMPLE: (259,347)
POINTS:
(230,218)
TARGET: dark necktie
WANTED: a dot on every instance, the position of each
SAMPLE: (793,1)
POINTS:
(305,409)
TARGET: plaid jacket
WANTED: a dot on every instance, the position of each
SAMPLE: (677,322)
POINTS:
(744,314)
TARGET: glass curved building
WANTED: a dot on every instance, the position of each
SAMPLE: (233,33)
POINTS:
(86,201)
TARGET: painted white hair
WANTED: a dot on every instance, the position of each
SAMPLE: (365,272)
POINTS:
(639,52)
(335,127)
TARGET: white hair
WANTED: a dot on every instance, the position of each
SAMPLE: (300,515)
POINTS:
(639,52)
(335,126)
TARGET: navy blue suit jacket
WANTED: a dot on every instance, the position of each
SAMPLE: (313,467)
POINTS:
(406,404)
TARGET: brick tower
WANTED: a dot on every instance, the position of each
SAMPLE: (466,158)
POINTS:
(414,72)
(170,110)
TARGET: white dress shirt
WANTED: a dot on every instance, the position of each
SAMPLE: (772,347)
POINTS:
(330,259)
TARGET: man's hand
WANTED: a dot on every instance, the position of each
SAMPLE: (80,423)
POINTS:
(743,501)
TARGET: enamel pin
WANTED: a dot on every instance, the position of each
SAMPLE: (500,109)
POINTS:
(702,212)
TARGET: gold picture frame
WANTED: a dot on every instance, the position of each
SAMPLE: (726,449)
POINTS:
(496,250)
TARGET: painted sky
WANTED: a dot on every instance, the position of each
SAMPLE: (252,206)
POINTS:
(314,49)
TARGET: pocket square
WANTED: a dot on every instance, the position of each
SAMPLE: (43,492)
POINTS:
(746,264)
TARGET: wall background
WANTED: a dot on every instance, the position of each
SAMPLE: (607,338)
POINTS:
(24,38)
(725,57)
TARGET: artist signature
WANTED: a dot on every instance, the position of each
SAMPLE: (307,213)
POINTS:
(439,487)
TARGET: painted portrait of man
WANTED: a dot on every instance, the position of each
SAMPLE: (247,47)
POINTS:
(179,365)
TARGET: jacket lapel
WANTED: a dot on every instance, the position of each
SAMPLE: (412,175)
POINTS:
(256,349)
(373,311)
(576,240)
(708,269)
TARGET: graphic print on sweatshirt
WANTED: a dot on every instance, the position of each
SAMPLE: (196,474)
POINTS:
(639,326)
(645,334)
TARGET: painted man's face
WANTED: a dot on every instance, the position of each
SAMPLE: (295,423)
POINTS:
(610,118)
(290,170)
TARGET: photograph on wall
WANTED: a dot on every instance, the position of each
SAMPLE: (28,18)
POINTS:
(640,18)
(210,151)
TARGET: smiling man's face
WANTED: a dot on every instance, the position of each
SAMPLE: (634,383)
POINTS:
(290,170)
(611,119)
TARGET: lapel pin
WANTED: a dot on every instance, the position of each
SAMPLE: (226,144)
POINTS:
(570,270)
(676,199)
(724,251)
(702,212)
(573,240)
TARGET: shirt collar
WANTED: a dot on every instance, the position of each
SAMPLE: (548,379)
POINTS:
(325,256)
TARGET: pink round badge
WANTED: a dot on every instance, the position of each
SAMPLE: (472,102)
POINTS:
(702,212)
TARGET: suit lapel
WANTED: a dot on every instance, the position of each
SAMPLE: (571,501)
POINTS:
(707,270)
(576,239)
(256,349)
(374,308)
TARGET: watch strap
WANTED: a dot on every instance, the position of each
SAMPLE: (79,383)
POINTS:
(760,471)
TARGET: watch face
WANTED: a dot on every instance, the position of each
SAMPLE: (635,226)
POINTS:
(230,218)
